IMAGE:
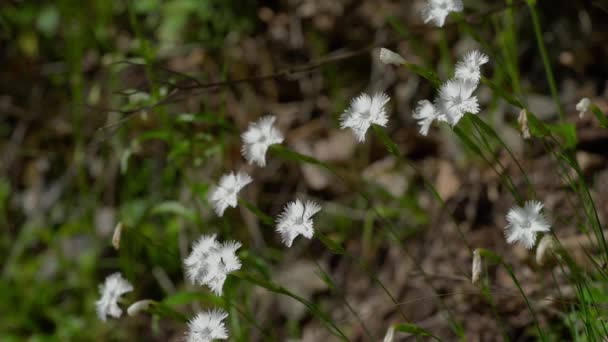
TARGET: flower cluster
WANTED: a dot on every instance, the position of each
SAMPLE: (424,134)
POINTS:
(455,96)
(210,262)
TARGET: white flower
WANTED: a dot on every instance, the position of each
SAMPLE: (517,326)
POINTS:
(111,291)
(469,67)
(389,57)
(364,111)
(196,263)
(437,10)
(207,326)
(456,98)
(583,106)
(225,194)
(258,137)
(296,219)
(221,262)
(525,222)
(426,113)
(210,262)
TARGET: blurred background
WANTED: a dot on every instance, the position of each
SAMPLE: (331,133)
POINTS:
(128,111)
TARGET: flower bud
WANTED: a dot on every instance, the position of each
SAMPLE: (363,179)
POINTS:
(523,124)
(116,236)
(583,107)
(546,249)
(476,267)
(139,306)
(389,57)
(390,334)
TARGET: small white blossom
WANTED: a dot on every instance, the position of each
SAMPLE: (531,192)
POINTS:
(296,219)
(437,10)
(221,262)
(364,111)
(456,98)
(210,262)
(469,67)
(111,291)
(583,107)
(207,326)
(258,137)
(225,194)
(426,113)
(390,57)
(525,222)
(196,263)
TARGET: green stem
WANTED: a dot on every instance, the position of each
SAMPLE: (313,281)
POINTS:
(545,56)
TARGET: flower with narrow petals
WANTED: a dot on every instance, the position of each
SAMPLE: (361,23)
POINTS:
(456,98)
(210,262)
(583,107)
(525,222)
(390,57)
(221,262)
(207,326)
(364,111)
(258,137)
(296,219)
(437,10)
(225,194)
(197,263)
(111,291)
(426,113)
(469,67)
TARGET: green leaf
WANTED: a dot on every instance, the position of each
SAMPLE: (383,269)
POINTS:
(498,90)
(291,155)
(566,131)
(601,117)
(387,141)
(424,72)
(490,256)
(537,127)
(264,218)
(187,297)
(467,141)
(414,330)
(314,309)
(164,310)
(173,207)
(334,247)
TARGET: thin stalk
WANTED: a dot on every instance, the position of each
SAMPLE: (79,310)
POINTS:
(543,51)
